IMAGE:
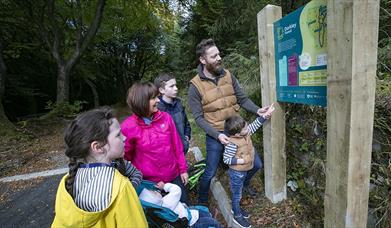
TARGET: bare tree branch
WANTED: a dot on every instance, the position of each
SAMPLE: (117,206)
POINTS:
(90,34)
(389,14)
(56,33)
(385,66)
(79,26)
(38,21)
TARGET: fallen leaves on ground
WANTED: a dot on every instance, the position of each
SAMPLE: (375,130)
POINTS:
(9,188)
(38,147)
(263,212)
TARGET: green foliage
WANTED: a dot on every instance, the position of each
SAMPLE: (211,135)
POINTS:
(306,158)
(384,59)
(380,200)
(131,46)
(64,109)
(304,147)
(383,90)
(384,44)
(244,68)
(319,144)
(127,48)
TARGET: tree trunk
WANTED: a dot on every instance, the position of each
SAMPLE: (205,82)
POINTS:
(94,92)
(84,38)
(6,126)
(3,72)
(62,84)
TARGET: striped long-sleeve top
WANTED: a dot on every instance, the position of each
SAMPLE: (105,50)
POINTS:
(93,185)
(231,148)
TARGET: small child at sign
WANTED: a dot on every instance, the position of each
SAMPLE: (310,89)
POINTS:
(239,155)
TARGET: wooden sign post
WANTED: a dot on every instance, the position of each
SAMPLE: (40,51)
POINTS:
(273,130)
(351,82)
(352,28)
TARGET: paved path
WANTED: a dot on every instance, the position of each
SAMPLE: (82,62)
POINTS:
(35,175)
(30,207)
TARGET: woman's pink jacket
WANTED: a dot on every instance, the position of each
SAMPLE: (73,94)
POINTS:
(156,149)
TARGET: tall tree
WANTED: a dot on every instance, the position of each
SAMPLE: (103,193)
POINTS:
(3,71)
(129,47)
(5,125)
(62,26)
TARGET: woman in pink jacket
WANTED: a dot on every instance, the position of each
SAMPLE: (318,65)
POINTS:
(152,142)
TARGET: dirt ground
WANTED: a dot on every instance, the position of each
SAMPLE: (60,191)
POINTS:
(263,212)
(38,147)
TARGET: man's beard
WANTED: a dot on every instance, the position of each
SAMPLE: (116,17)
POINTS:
(214,69)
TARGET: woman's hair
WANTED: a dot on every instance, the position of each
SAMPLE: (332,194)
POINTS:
(138,98)
(86,128)
(234,125)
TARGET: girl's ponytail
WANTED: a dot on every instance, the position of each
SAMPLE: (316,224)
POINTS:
(73,166)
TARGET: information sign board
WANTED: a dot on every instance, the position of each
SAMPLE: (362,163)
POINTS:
(301,55)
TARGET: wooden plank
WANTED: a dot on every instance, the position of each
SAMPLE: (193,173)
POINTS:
(273,130)
(352,55)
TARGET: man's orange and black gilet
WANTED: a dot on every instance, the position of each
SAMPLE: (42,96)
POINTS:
(218,101)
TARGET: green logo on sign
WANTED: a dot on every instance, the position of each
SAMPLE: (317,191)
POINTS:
(280,33)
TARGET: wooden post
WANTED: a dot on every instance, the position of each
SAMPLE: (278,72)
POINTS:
(352,55)
(273,130)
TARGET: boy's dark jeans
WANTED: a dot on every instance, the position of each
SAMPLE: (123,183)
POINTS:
(214,154)
(236,181)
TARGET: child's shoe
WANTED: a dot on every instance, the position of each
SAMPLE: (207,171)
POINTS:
(241,221)
(245,214)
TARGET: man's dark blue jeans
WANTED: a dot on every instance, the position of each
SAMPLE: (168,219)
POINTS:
(214,154)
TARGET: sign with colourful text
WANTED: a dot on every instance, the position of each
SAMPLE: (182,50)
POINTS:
(300,40)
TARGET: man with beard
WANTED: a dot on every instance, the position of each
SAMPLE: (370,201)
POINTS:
(214,95)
